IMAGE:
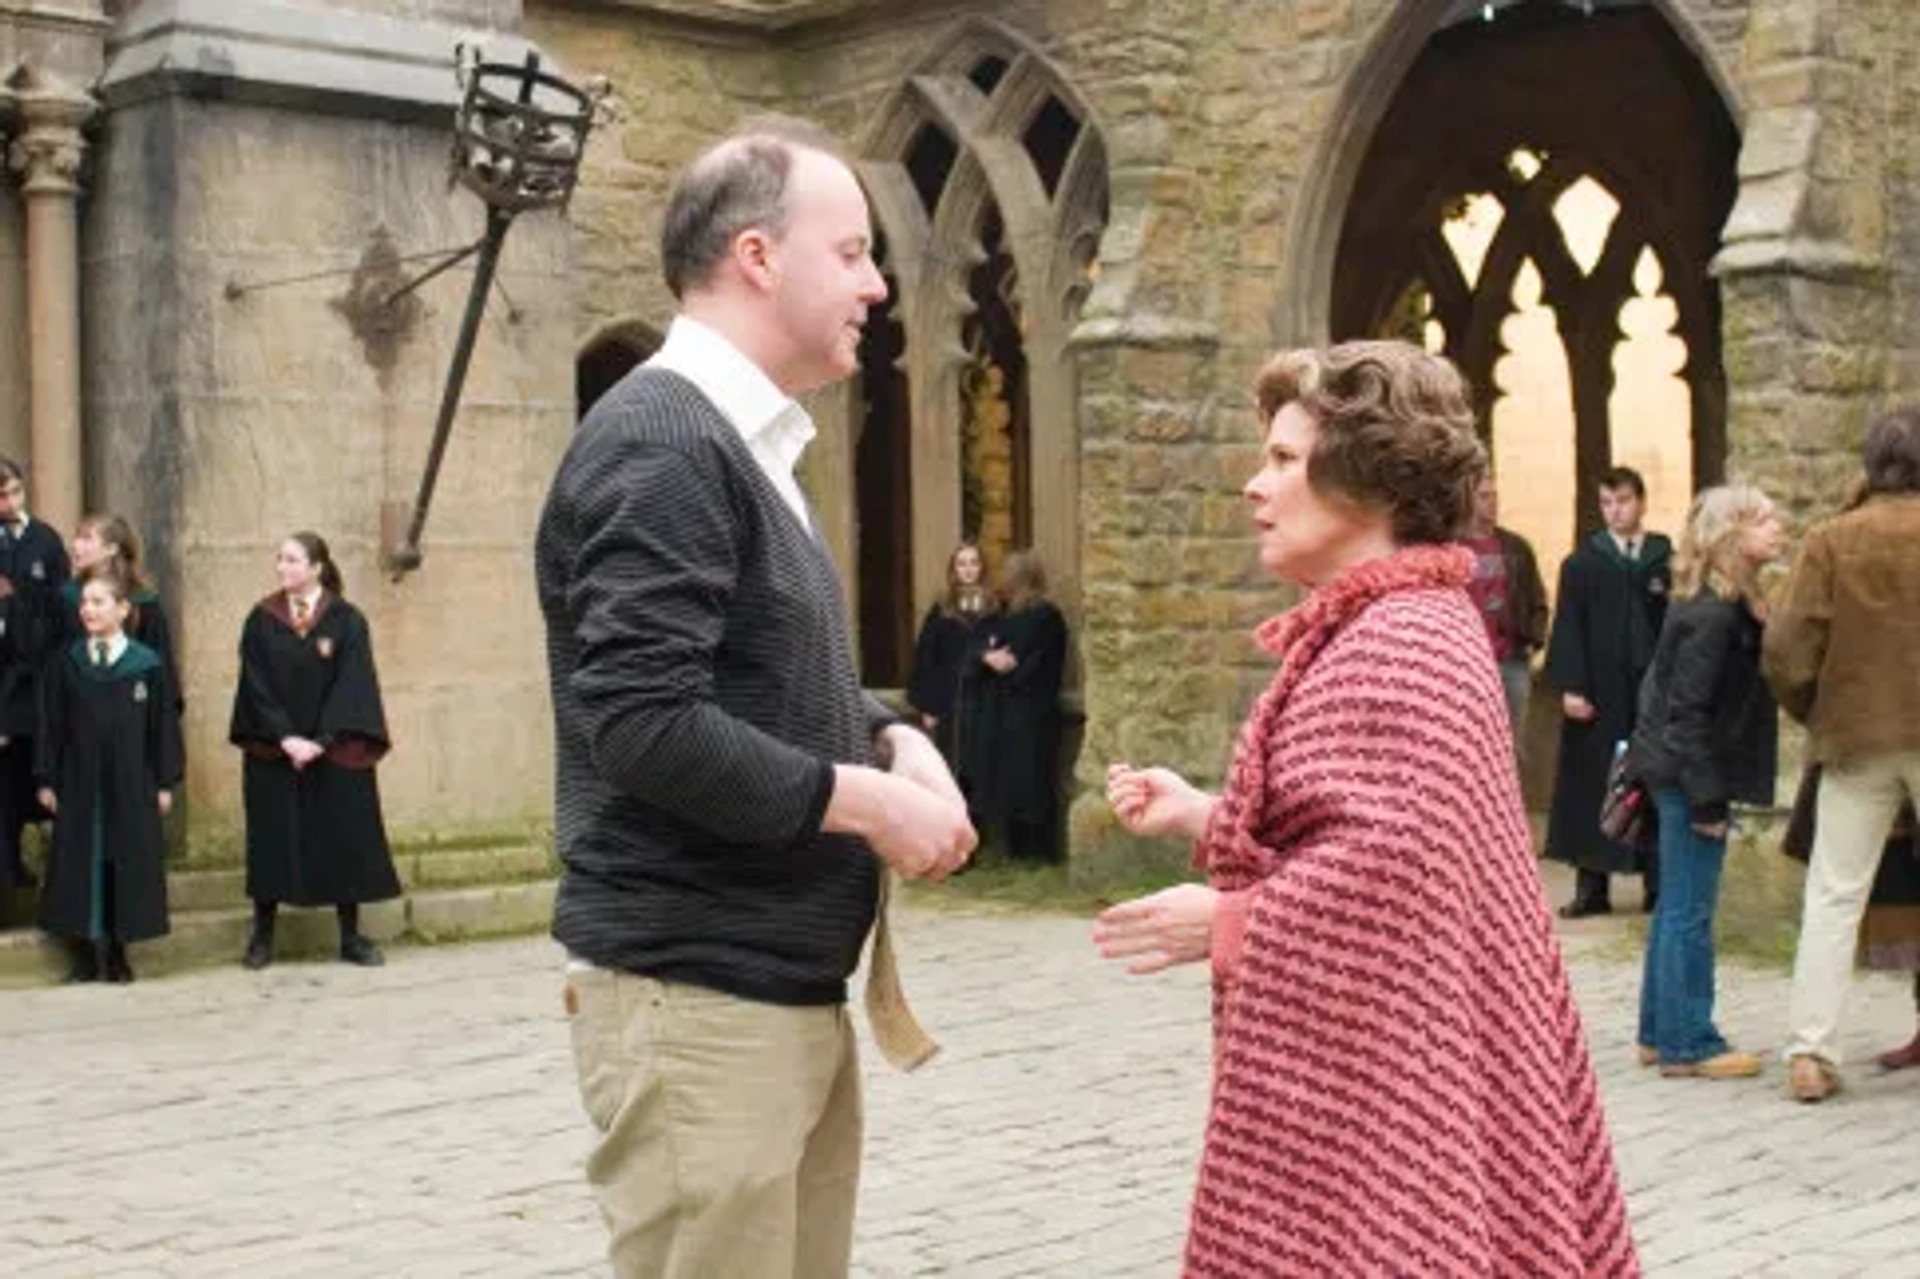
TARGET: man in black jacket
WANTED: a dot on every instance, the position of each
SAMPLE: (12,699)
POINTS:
(728,799)
(1608,613)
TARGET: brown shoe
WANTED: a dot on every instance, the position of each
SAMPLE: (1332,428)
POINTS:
(1645,1055)
(1728,1065)
(1901,1058)
(1810,1079)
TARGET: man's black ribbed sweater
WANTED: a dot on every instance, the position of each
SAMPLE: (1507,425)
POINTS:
(703,687)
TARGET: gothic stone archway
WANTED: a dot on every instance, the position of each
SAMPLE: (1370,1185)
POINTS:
(988,182)
(1525,116)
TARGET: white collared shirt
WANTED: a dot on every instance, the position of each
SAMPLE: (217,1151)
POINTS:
(775,429)
(312,601)
(1629,547)
(116,646)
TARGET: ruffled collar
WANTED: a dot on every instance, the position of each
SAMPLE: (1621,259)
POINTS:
(1333,605)
(1298,636)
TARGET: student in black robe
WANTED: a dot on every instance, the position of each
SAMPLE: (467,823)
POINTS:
(33,566)
(108,764)
(107,542)
(1010,762)
(308,718)
(1611,606)
(946,638)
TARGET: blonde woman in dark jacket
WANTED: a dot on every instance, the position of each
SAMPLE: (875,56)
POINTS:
(1706,737)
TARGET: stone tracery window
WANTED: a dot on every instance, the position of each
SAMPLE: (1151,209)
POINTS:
(1535,350)
(1541,199)
(987,177)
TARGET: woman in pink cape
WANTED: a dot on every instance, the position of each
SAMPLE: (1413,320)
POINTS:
(1401,1080)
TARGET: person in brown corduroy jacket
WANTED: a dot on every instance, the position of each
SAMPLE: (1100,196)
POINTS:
(1839,653)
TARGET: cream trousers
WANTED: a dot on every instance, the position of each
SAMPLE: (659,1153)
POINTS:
(1857,808)
(728,1130)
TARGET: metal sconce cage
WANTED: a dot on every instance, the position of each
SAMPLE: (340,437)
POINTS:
(519,134)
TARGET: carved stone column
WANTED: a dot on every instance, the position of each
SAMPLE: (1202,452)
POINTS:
(46,153)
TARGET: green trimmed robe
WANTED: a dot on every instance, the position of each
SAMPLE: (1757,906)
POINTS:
(109,744)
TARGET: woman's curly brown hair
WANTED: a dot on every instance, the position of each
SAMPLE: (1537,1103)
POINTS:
(1396,432)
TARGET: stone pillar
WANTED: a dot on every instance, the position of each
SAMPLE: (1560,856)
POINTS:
(46,154)
(1804,272)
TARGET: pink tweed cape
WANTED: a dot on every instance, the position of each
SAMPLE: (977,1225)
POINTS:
(1401,1079)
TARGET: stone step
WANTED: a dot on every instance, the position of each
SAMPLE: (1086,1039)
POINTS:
(204,937)
(212,888)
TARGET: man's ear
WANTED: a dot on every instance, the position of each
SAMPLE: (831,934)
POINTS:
(756,257)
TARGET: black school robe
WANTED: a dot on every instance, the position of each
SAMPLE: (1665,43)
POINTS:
(315,836)
(1606,625)
(31,630)
(32,621)
(147,623)
(109,743)
(1011,745)
(939,656)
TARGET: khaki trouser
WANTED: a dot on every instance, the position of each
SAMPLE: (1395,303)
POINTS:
(729,1130)
(1857,807)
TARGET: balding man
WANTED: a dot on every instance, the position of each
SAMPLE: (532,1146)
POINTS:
(728,798)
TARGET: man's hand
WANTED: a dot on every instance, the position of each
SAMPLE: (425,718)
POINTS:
(1001,660)
(1574,706)
(166,802)
(48,800)
(917,760)
(918,832)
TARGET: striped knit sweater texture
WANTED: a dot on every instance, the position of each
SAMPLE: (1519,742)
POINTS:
(703,686)
(1401,1080)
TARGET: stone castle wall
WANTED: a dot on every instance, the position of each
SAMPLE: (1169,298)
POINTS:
(1233,134)
(231,402)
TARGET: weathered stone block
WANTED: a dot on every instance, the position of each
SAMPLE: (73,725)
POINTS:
(1790,83)
(481,912)
(1778,32)
(1838,311)
(1851,213)
(1767,208)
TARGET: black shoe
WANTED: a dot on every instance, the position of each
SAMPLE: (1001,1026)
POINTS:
(356,949)
(85,962)
(119,971)
(259,952)
(1651,903)
(1584,910)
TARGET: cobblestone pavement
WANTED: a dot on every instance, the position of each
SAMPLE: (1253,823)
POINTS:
(421,1120)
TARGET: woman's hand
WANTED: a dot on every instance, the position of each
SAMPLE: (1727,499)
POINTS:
(1157,801)
(166,802)
(301,750)
(1000,660)
(1172,926)
(48,800)
(1710,830)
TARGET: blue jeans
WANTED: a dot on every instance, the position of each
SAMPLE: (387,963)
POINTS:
(1516,681)
(1676,989)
